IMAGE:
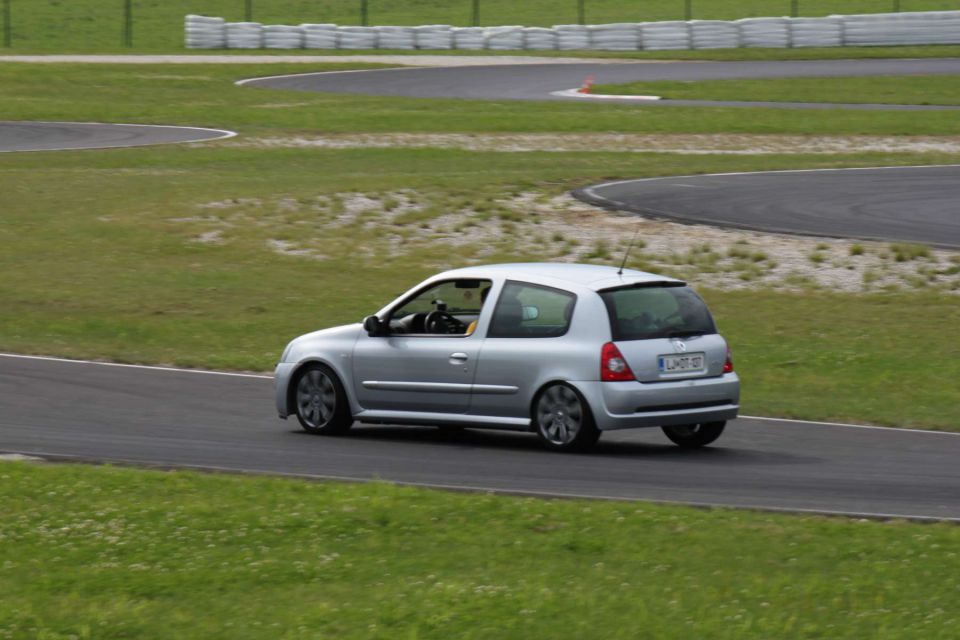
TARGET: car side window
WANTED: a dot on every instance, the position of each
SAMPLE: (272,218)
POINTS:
(447,308)
(531,311)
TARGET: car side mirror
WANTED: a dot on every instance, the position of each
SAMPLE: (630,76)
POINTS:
(373,326)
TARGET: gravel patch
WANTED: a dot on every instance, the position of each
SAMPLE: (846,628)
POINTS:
(441,230)
(729,144)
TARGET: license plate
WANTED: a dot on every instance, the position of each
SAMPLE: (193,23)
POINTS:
(682,363)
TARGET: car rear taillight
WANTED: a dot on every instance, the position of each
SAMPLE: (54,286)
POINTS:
(613,367)
(728,363)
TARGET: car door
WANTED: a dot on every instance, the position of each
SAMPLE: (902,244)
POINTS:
(524,344)
(421,372)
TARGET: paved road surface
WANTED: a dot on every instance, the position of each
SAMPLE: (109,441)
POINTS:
(911,204)
(540,81)
(183,418)
(58,136)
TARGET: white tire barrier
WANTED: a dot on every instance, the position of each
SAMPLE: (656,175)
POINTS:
(665,36)
(201,32)
(503,38)
(882,29)
(244,35)
(279,36)
(816,32)
(615,37)
(319,36)
(766,33)
(468,38)
(356,37)
(572,37)
(539,39)
(396,38)
(434,37)
(713,34)
(931,27)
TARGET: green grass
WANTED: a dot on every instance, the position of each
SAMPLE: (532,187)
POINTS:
(118,553)
(936,90)
(97,25)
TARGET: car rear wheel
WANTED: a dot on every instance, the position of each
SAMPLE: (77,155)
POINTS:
(563,420)
(321,403)
(693,436)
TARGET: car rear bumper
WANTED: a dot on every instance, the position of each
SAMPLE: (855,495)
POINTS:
(628,405)
(281,382)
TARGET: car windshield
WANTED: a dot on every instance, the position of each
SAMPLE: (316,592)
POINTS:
(660,311)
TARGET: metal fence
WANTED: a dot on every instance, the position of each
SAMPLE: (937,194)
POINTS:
(155,25)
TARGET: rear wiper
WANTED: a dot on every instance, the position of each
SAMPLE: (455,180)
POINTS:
(685,334)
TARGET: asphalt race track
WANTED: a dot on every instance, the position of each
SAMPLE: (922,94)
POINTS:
(909,204)
(62,136)
(168,417)
(542,81)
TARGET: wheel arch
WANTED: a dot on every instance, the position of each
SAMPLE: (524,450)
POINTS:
(342,376)
(532,407)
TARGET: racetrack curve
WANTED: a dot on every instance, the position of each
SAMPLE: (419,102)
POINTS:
(543,81)
(903,204)
(180,418)
(64,136)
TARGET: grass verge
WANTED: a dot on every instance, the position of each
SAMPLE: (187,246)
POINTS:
(934,90)
(109,553)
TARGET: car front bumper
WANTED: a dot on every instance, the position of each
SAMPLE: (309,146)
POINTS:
(281,382)
(628,405)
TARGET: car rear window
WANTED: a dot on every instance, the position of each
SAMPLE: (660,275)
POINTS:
(660,311)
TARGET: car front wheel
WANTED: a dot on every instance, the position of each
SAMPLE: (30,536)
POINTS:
(321,403)
(693,436)
(563,420)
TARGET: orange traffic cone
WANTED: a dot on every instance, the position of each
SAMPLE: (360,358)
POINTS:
(587,84)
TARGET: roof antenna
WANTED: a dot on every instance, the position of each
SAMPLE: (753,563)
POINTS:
(626,254)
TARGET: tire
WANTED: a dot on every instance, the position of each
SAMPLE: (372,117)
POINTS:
(694,436)
(562,419)
(320,401)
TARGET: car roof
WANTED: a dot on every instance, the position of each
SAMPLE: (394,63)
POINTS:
(592,276)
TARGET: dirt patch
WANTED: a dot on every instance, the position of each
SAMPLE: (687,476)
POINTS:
(611,142)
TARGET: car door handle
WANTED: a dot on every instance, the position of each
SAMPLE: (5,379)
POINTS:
(458,358)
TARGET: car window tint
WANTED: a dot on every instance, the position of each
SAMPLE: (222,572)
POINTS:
(553,311)
(458,299)
(641,313)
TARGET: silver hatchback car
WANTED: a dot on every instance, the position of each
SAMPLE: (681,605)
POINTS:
(565,350)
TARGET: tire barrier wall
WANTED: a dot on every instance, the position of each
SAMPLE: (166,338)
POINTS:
(883,29)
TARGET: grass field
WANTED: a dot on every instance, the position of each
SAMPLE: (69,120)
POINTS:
(113,553)
(177,254)
(97,25)
(939,90)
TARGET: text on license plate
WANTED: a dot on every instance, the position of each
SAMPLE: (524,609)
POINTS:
(680,363)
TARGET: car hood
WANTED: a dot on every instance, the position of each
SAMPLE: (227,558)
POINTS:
(310,342)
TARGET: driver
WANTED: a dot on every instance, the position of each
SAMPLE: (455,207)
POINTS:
(483,301)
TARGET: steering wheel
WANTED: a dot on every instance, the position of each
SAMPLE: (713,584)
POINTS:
(443,322)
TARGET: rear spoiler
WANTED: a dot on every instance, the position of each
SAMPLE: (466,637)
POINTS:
(648,284)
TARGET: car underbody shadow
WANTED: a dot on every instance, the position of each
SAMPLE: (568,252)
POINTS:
(640,443)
